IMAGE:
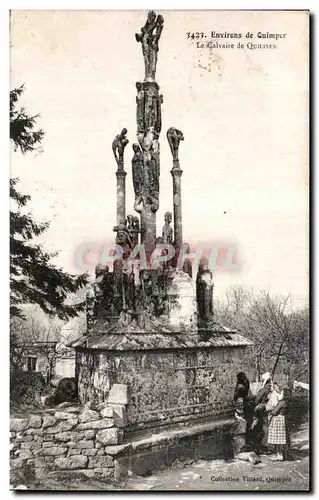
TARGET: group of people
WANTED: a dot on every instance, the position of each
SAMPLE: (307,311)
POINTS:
(261,420)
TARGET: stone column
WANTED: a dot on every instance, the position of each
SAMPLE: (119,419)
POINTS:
(174,137)
(148,229)
(146,159)
(120,197)
(118,145)
(177,206)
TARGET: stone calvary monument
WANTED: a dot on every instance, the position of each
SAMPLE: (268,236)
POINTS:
(152,348)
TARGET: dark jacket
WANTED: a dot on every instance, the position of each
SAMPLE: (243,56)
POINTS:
(262,395)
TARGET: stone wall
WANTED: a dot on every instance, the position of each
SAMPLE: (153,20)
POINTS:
(68,438)
(165,387)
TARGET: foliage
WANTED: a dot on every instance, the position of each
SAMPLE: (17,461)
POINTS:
(33,277)
(25,388)
(280,335)
(22,132)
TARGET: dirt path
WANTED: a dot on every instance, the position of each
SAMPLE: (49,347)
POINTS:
(235,475)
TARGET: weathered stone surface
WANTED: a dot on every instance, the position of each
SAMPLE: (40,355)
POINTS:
(74,451)
(24,454)
(109,436)
(24,439)
(53,451)
(64,436)
(74,409)
(29,446)
(119,415)
(118,394)
(100,406)
(102,461)
(41,473)
(88,416)
(105,423)
(81,444)
(62,415)
(99,472)
(62,426)
(18,424)
(48,421)
(35,421)
(17,463)
(48,444)
(34,432)
(38,462)
(89,452)
(87,473)
(90,434)
(106,412)
(74,462)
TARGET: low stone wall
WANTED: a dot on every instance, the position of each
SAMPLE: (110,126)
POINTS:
(69,438)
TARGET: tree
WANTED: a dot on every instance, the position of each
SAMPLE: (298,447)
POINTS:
(280,335)
(34,334)
(33,277)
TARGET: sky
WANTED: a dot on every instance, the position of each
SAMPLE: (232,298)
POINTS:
(244,115)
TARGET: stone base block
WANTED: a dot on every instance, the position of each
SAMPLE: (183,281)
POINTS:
(143,456)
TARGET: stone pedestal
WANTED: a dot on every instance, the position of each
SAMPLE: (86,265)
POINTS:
(182,305)
(172,377)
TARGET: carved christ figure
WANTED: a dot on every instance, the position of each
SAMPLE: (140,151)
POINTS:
(174,137)
(149,37)
(118,146)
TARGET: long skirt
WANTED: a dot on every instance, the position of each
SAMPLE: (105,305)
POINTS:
(277,430)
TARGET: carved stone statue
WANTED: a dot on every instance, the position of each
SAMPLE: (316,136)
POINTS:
(204,292)
(140,108)
(118,146)
(167,231)
(124,239)
(133,227)
(174,137)
(149,38)
(133,224)
(137,170)
(150,111)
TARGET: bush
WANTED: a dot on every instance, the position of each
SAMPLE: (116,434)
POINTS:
(25,388)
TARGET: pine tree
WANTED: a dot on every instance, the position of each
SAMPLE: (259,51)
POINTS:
(34,278)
